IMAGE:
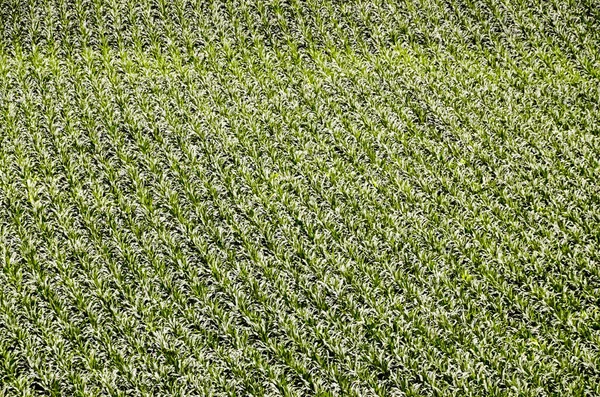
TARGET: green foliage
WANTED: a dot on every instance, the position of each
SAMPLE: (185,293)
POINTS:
(284,197)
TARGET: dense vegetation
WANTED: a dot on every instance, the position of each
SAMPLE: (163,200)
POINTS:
(299,198)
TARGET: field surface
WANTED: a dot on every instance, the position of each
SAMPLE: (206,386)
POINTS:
(296,198)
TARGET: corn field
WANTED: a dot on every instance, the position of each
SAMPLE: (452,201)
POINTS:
(299,198)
